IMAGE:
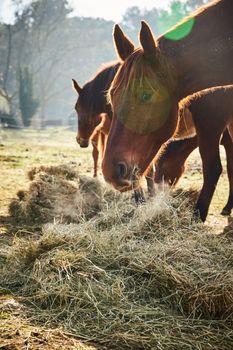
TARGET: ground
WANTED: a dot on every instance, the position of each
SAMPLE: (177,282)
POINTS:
(20,150)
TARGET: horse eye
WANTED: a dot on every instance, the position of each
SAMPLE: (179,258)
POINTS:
(146,97)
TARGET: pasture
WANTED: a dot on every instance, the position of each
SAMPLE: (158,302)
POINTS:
(130,277)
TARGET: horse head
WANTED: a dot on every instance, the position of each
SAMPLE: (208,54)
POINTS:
(87,118)
(144,106)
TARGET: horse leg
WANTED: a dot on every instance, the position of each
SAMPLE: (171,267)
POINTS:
(212,168)
(228,144)
(95,155)
(150,180)
(101,144)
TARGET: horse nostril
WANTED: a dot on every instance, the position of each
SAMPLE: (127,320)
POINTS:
(122,170)
(83,143)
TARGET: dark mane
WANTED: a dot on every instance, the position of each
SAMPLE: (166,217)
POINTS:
(93,94)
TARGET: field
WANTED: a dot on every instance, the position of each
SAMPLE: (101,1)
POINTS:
(23,315)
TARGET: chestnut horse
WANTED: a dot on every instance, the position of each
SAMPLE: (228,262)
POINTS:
(91,102)
(94,117)
(170,163)
(217,102)
(194,55)
(93,111)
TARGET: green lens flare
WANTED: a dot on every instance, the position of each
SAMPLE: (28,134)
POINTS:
(180,31)
(143,116)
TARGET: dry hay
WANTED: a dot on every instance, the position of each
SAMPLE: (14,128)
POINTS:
(57,193)
(131,278)
(17,334)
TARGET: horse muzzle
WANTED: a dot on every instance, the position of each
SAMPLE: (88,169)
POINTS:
(83,143)
(122,176)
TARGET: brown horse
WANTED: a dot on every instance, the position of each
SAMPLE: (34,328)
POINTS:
(94,118)
(94,112)
(217,102)
(91,102)
(195,55)
(170,163)
(170,160)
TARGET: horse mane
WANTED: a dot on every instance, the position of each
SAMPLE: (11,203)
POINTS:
(93,94)
(139,74)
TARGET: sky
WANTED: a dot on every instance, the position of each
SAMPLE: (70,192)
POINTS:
(107,9)
(112,9)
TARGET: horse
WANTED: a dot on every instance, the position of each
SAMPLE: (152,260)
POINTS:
(92,103)
(93,111)
(152,79)
(170,161)
(170,164)
(94,118)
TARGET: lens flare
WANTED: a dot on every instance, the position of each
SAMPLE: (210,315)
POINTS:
(181,30)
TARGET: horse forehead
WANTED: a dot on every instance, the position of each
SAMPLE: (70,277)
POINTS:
(135,80)
(131,67)
(80,108)
(85,116)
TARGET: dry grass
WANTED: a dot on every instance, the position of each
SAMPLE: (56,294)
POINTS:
(125,277)
(57,193)
(18,334)
(131,277)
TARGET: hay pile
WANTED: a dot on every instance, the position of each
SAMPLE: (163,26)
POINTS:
(57,193)
(131,278)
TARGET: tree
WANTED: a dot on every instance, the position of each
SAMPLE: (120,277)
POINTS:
(133,17)
(193,4)
(177,10)
(28,104)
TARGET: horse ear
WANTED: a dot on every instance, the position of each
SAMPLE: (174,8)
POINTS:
(147,40)
(124,46)
(76,87)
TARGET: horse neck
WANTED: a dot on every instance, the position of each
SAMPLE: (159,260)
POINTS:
(204,57)
(99,85)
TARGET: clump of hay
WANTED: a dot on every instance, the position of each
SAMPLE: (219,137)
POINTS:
(151,280)
(65,171)
(57,193)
